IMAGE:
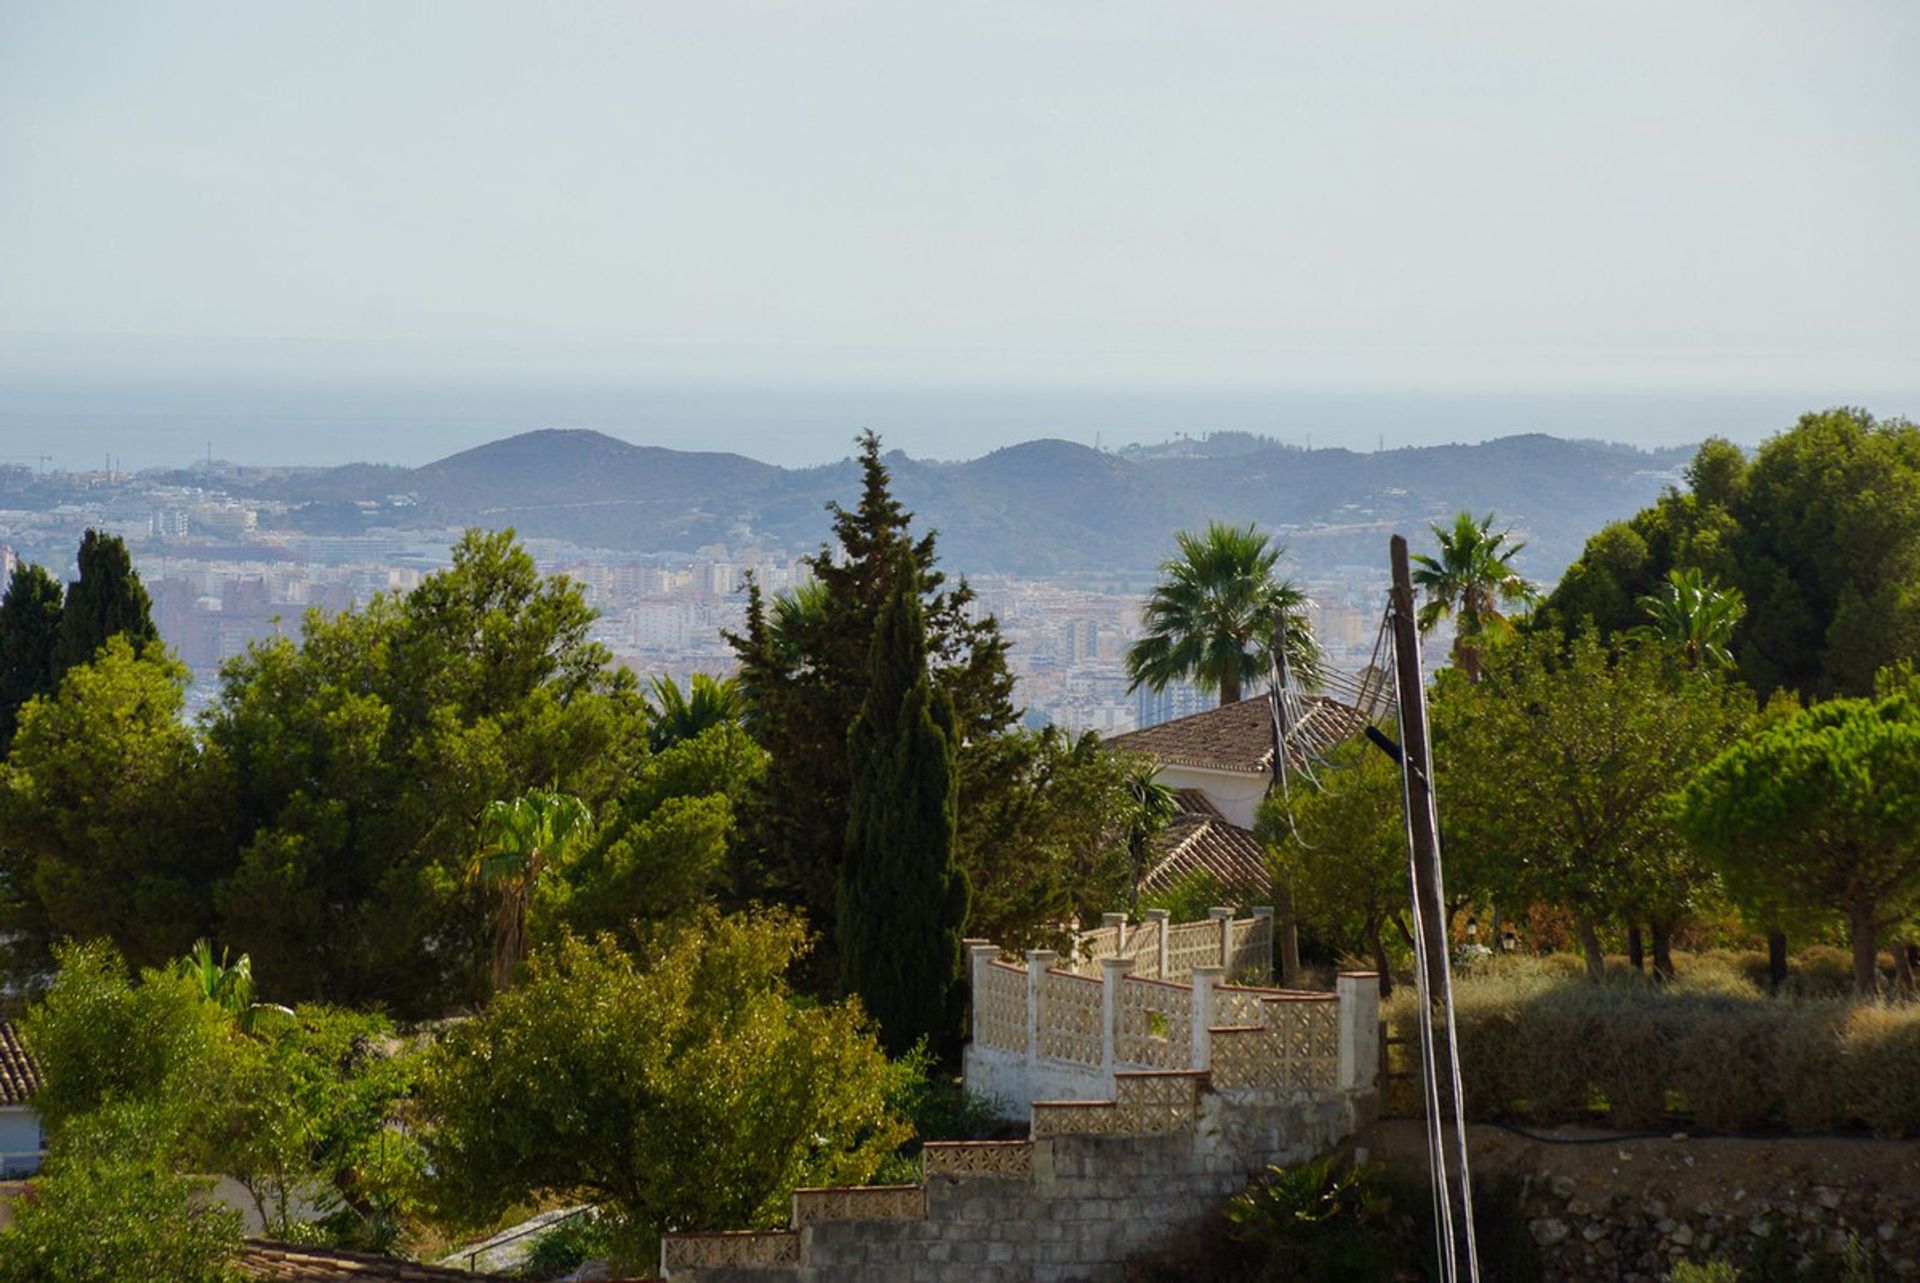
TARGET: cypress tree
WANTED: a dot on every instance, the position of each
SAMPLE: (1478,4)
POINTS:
(107,600)
(29,629)
(903,901)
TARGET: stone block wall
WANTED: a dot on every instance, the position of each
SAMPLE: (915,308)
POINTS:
(1067,1207)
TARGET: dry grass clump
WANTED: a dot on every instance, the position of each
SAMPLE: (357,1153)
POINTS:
(1541,1043)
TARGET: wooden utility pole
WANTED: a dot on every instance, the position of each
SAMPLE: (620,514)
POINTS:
(1419,771)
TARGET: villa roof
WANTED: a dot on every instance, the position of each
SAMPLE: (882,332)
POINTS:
(19,1073)
(1238,737)
(1200,841)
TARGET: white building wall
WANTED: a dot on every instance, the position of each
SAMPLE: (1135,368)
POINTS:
(1234,794)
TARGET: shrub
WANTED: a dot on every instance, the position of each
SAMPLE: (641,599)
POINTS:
(1539,1044)
(566,1247)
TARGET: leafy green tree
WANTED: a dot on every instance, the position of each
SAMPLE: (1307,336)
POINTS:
(1212,616)
(685,1089)
(107,1209)
(361,757)
(1051,846)
(100,1038)
(805,666)
(902,900)
(667,845)
(108,600)
(1695,617)
(1822,808)
(1820,533)
(1343,850)
(1469,582)
(29,630)
(523,835)
(677,714)
(114,823)
(1554,772)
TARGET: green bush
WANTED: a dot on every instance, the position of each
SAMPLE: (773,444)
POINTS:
(567,1246)
(1542,1044)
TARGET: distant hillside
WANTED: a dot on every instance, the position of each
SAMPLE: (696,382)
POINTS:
(1045,507)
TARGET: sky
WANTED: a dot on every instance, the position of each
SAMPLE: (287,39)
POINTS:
(355,229)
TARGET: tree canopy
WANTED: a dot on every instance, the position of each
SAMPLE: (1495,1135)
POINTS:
(108,600)
(29,631)
(1819,532)
(1822,807)
(683,1089)
(1469,582)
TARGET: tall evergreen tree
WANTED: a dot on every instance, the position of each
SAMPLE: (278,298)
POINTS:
(805,671)
(902,900)
(108,600)
(29,628)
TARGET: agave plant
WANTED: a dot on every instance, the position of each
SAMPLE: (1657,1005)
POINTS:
(522,837)
(1695,616)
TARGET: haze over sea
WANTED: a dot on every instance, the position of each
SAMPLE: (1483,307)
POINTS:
(174,423)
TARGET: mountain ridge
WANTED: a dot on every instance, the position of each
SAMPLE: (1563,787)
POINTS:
(1046,506)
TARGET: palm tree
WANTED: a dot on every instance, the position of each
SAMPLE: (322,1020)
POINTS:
(674,715)
(522,837)
(1151,806)
(1695,616)
(1213,615)
(228,986)
(1468,582)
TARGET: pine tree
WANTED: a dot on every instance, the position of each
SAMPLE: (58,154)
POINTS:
(29,628)
(902,899)
(107,600)
(805,670)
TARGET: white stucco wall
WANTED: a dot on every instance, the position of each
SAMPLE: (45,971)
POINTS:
(1234,794)
(1016,1083)
(20,1143)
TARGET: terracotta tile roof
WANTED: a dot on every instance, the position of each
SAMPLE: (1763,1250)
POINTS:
(1196,802)
(1239,737)
(19,1075)
(1199,841)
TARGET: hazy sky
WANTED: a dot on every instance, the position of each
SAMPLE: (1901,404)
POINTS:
(1713,196)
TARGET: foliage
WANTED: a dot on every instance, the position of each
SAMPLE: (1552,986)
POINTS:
(566,1247)
(902,900)
(664,846)
(1046,845)
(1540,1045)
(227,985)
(361,757)
(806,670)
(29,629)
(681,1090)
(1319,1222)
(1212,616)
(1150,807)
(311,1114)
(938,1105)
(1822,808)
(113,823)
(523,835)
(674,715)
(1709,1272)
(1189,897)
(1820,532)
(107,1208)
(101,1038)
(108,600)
(1554,774)
(1468,583)
(1343,851)
(1695,617)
